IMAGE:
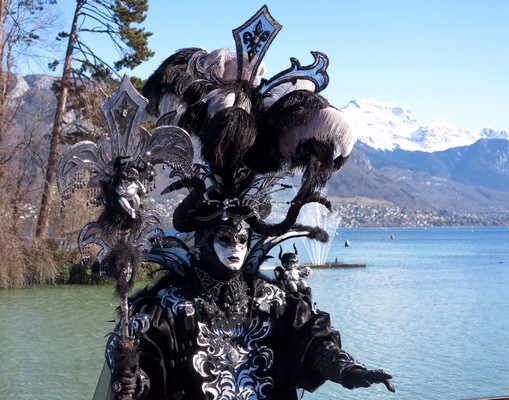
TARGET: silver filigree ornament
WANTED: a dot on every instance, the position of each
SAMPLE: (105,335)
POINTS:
(95,166)
(253,39)
(235,360)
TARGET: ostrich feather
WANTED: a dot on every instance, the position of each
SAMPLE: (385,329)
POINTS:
(168,78)
(287,87)
(326,125)
(219,100)
(227,137)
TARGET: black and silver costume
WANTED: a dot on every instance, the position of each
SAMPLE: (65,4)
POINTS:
(213,327)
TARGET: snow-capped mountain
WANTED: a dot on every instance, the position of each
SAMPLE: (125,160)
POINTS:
(490,133)
(387,126)
(18,87)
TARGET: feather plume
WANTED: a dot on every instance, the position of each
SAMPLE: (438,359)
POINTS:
(123,263)
(287,87)
(227,137)
(248,130)
(167,79)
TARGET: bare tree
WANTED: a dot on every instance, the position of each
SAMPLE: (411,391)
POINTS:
(25,28)
(27,151)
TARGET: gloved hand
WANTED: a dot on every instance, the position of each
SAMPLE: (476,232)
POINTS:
(124,383)
(357,377)
(124,371)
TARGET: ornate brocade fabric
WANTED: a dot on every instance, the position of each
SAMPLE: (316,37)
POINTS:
(234,357)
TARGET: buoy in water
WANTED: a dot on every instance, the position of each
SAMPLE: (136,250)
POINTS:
(392,236)
(347,243)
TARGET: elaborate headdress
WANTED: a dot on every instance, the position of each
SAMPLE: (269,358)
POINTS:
(251,134)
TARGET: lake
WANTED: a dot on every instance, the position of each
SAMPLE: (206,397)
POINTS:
(430,308)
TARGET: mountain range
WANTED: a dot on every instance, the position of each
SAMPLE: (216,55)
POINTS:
(396,160)
(387,126)
(433,167)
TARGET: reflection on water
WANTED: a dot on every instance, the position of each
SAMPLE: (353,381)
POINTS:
(430,308)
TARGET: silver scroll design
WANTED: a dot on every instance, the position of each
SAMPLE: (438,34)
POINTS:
(235,360)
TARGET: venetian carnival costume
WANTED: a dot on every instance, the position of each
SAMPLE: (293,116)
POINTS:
(214,327)
(217,335)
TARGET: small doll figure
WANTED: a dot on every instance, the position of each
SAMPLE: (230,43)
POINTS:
(129,188)
(290,276)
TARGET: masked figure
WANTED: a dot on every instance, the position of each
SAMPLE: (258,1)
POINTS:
(218,332)
(213,327)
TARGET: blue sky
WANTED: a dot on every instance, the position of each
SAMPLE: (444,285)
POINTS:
(445,59)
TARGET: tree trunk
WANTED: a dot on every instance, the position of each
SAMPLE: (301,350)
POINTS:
(3,77)
(54,152)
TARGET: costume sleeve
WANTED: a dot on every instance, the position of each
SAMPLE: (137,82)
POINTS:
(165,353)
(120,361)
(300,332)
(332,362)
(158,350)
(152,360)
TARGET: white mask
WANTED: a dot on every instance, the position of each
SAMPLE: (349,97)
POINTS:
(231,247)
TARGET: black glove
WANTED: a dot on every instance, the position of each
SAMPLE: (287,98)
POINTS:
(124,383)
(124,371)
(357,377)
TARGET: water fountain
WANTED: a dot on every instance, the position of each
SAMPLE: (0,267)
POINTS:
(313,214)
(317,215)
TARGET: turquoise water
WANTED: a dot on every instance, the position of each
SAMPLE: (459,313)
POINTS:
(430,308)
(51,341)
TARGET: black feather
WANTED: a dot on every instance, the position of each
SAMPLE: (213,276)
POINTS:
(165,79)
(227,137)
(123,359)
(122,263)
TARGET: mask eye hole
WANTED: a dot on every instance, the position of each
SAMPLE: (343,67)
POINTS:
(225,240)
(242,239)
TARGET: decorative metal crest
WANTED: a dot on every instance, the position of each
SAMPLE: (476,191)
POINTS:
(120,168)
(123,112)
(316,73)
(253,39)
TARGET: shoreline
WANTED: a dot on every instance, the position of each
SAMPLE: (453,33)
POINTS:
(333,264)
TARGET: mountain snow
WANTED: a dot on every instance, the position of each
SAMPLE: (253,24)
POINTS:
(387,126)
(18,86)
(490,133)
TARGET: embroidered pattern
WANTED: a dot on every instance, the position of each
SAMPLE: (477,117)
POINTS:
(178,303)
(235,360)
(233,355)
(270,296)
